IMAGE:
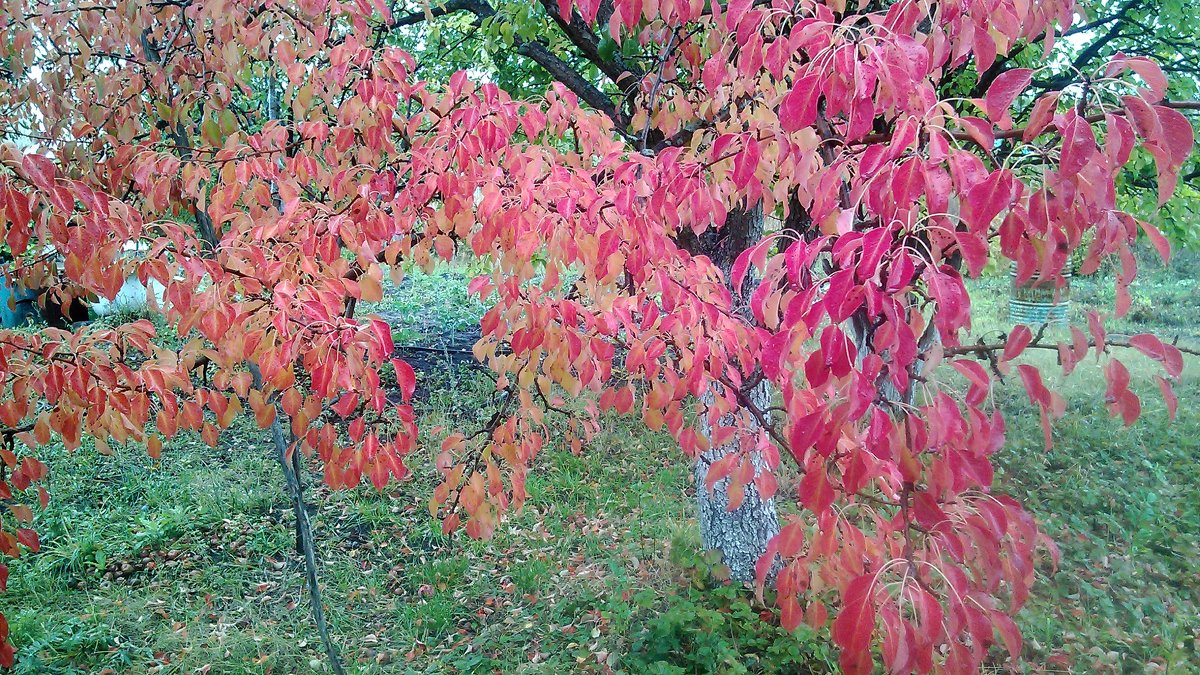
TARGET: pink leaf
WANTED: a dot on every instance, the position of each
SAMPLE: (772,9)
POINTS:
(1148,344)
(1143,117)
(756,254)
(790,539)
(1042,115)
(815,492)
(384,332)
(1146,68)
(1009,633)
(40,171)
(1079,144)
(1004,91)
(1099,335)
(1158,240)
(745,164)
(980,131)
(799,107)
(1177,133)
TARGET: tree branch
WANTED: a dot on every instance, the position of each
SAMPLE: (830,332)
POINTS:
(576,30)
(536,51)
(999,346)
(476,7)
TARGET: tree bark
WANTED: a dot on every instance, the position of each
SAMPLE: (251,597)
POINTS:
(740,535)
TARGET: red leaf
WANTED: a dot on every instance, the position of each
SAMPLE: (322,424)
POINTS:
(1172,360)
(40,171)
(1078,146)
(480,285)
(817,615)
(406,378)
(1129,406)
(719,470)
(815,492)
(1148,345)
(1168,394)
(765,562)
(756,254)
(1177,134)
(855,624)
(1142,116)
(1158,240)
(987,199)
(1099,335)
(980,131)
(1018,339)
(384,333)
(791,538)
(790,614)
(977,375)
(1004,90)
(1118,379)
(745,164)
(1042,115)
(1009,633)
(1146,68)
(29,538)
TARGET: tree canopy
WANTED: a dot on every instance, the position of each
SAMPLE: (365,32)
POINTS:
(275,157)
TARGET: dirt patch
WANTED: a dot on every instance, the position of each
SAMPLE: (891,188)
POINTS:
(441,354)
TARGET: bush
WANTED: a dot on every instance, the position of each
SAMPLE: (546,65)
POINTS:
(705,624)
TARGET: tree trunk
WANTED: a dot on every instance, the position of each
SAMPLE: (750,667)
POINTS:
(740,535)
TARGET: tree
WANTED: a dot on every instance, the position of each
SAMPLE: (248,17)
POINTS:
(1159,30)
(274,156)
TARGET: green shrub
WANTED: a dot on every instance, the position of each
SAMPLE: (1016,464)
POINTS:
(708,625)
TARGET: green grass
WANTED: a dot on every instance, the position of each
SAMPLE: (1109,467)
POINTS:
(600,571)
(1124,507)
(424,309)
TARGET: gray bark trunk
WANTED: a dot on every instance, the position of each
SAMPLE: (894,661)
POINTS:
(740,535)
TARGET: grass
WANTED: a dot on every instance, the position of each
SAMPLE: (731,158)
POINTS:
(398,591)
(600,571)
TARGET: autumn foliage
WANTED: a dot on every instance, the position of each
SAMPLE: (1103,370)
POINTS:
(273,157)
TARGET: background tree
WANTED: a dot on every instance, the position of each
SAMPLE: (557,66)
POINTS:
(275,156)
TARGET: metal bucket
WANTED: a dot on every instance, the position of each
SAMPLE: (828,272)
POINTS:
(1034,305)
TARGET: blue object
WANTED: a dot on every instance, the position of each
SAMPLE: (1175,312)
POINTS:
(16,305)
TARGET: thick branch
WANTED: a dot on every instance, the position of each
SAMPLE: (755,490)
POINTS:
(476,7)
(571,79)
(987,348)
(538,52)
(580,34)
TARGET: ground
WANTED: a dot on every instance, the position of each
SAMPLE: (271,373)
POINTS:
(187,566)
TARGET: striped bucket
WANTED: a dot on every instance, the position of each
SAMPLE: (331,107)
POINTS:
(1034,305)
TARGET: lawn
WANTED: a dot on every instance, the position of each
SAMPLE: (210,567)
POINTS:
(188,565)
